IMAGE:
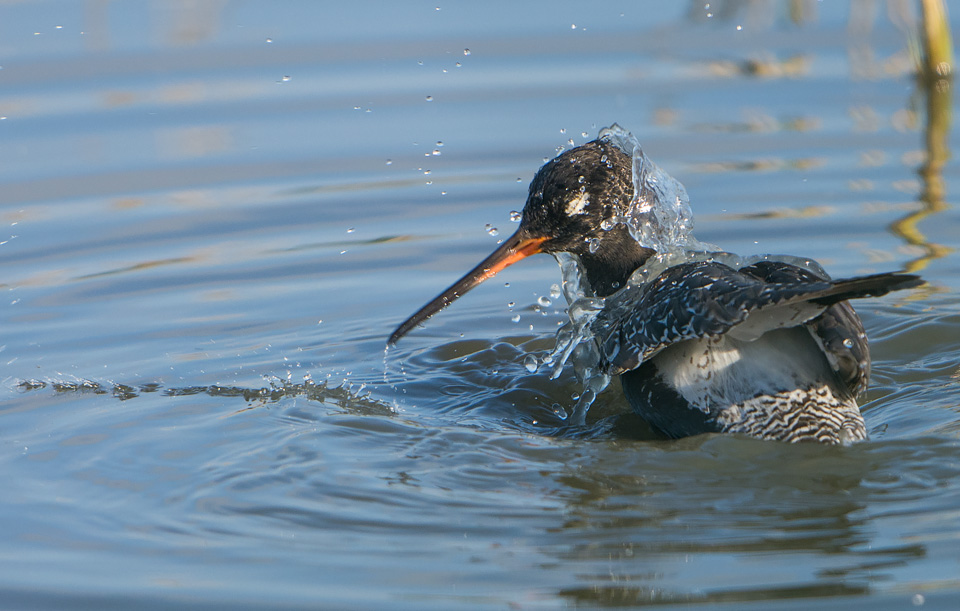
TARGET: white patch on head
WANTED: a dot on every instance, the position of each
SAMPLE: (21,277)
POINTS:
(577,205)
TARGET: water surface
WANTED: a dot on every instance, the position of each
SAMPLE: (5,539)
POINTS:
(215,213)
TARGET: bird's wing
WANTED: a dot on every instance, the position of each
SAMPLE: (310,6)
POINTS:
(707,298)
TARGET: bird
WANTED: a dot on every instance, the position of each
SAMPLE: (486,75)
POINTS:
(762,347)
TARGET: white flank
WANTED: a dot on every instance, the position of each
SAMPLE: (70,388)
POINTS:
(717,372)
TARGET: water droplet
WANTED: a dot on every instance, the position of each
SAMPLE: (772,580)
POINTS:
(419,62)
(457,64)
(510,304)
(515,216)
(506,284)
(530,362)
(466,51)
(515,318)
(544,301)
(356,108)
(351,230)
(573,26)
(571,142)
(285,78)
(563,130)
(739,27)
(426,172)
(435,152)
(491,229)
(594,244)
(269,40)
(554,291)
(581,179)
(389,161)
(429,98)
(606,224)
(584,134)
(60,27)
(848,343)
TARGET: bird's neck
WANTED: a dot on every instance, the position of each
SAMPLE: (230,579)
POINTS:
(609,267)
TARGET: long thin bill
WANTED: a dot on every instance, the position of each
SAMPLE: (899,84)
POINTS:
(516,247)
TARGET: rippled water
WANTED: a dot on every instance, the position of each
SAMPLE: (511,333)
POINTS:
(216,212)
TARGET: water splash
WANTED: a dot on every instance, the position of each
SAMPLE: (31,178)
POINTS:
(575,339)
(659,215)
